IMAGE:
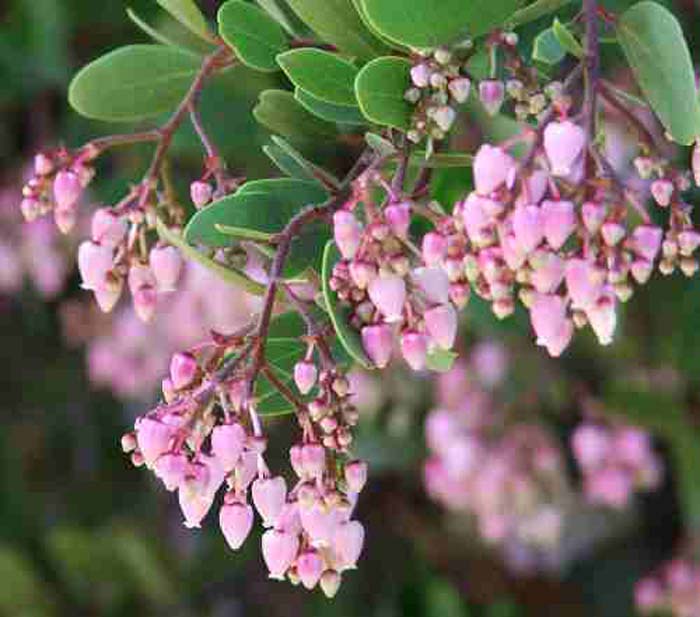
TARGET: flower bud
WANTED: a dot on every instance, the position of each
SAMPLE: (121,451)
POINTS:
(563,144)
(420,75)
(441,323)
(612,233)
(528,227)
(646,241)
(65,219)
(347,544)
(388,294)
(279,550)
(309,568)
(166,264)
(153,437)
(377,342)
(94,263)
(491,95)
(398,216)
(593,215)
(414,348)
(183,368)
(695,163)
(662,191)
(201,193)
(330,583)
(66,189)
(107,228)
(444,117)
(305,374)
(559,220)
(269,496)
(584,282)
(434,248)
(142,285)
(43,165)
(603,319)
(492,165)
(552,328)
(356,475)
(347,233)
(434,284)
(235,521)
(459,89)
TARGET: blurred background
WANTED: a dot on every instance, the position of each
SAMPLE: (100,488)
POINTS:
(507,521)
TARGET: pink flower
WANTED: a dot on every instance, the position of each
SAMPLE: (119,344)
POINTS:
(388,294)
(563,144)
(67,189)
(356,475)
(153,437)
(491,95)
(584,282)
(142,285)
(441,323)
(559,221)
(347,233)
(313,460)
(377,342)
(183,368)
(399,218)
(491,168)
(593,215)
(420,75)
(646,241)
(235,521)
(459,89)
(603,318)
(591,446)
(279,551)
(310,566)
(434,249)
(552,328)
(528,227)
(201,193)
(662,191)
(434,284)
(227,442)
(305,374)
(166,264)
(414,348)
(269,496)
(108,229)
(347,544)
(94,264)
(548,272)
(695,162)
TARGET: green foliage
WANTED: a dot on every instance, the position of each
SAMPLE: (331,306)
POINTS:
(290,160)
(340,114)
(133,83)
(535,11)
(552,44)
(22,593)
(322,74)
(280,112)
(337,22)
(427,24)
(566,39)
(380,87)
(255,36)
(160,35)
(281,355)
(655,47)
(348,336)
(187,13)
(440,360)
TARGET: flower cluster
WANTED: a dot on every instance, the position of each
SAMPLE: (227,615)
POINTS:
(615,462)
(674,591)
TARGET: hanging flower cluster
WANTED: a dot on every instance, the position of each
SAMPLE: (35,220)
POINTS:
(675,590)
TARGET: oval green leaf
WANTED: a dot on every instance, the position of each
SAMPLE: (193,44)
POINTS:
(348,337)
(428,24)
(337,22)
(380,88)
(186,41)
(256,37)
(534,11)
(547,48)
(280,112)
(133,83)
(340,114)
(566,39)
(655,47)
(322,74)
(189,15)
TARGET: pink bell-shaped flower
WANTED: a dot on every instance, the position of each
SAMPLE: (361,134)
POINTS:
(166,264)
(94,263)
(269,496)
(434,284)
(603,318)
(305,374)
(593,215)
(67,189)
(347,544)
(227,443)
(459,89)
(584,282)
(183,368)
(646,241)
(563,143)
(153,437)
(201,193)
(559,220)
(441,323)
(528,227)
(414,348)
(662,191)
(310,566)
(313,460)
(235,521)
(171,468)
(356,475)
(434,249)
(378,342)
(347,233)
(552,328)
(142,285)
(591,445)
(399,218)
(279,551)
(107,228)
(491,95)
(548,272)
(492,165)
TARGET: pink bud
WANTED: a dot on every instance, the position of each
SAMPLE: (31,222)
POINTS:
(201,193)
(563,143)
(688,242)
(65,219)
(171,469)
(603,318)
(434,248)
(309,568)
(246,469)
(559,221)
(584,282)
(414,348)
(459,89)
(362,273)
(590,445)
(444,117)
(269,496)
(305,374)
(183,368)
(632,446)
(548,273)
(399,218)
(695,163)
(420,75)
(347,544)
(612,233)
(492,165)
(94,263)
(662,190)
(142,285)
(166,264)
(66,189)
(31,209)
(609,486)
(227,442)
(441,323)
(388,294)
(319,522)
(279,550)
(108,229)
(641,270)
(235,521)
(313,460)
(108,295)
(347,233)
(356,475)
(153,437)
(552,328)
(593,215)
(43,165)
(330,583)
(528,227)
(434,284)
(648,595)
(646,241)
(377,342)
(194,505)
(491,95)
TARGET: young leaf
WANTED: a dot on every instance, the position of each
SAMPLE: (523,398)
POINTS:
(547,48)
(534,11)
(288,160)
(322,74)
(441,160)
(279,111)
(337,22)
(189,15)
(566,39)
(440,360)
(656,49)
(314,171)
(231,275)
(379,144)
(256,37)
(380,87)
(427,23)
(133,83)
(340,114)
(349,338)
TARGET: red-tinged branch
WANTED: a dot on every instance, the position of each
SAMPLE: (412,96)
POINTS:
(592,64)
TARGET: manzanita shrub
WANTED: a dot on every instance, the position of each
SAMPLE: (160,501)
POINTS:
(370,267)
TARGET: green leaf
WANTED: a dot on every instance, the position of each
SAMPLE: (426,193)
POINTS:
(534,11)
(281,355)
(256,37)
(362,12)
(547,48)
(165,38)
(231,275)
(441,160)
(133,83)
(440,360)
(189,15)
(380,145)
(427,23)
(656,49)
(281,13)
(288,162)
(239,233)
(566,39)
(280,112)
(380,87)
(340,114)
(322,74)
(347,335)
(337,22)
